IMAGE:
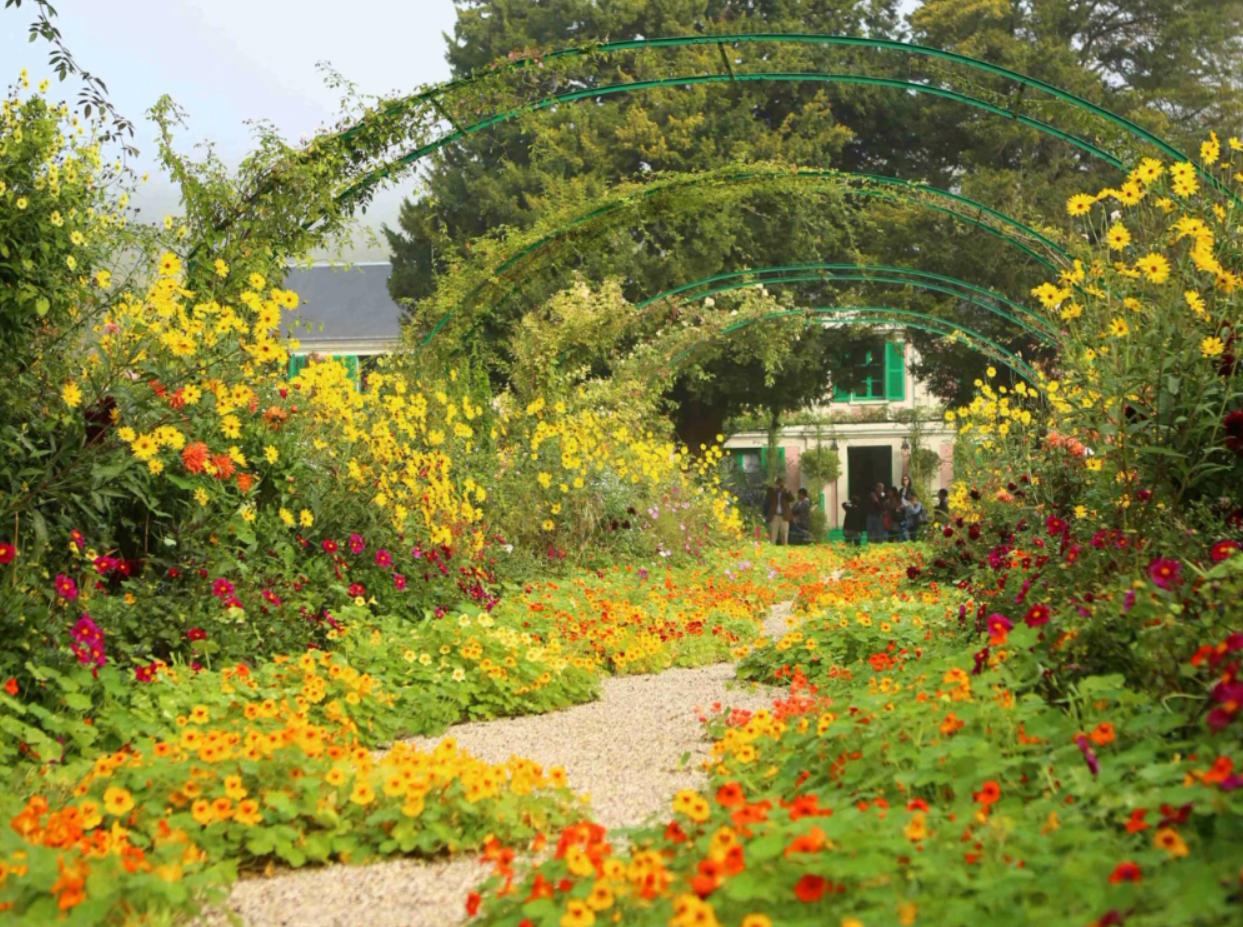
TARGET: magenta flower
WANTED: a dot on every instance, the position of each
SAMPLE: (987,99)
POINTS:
(399,581)
(196,634)
(222,588)
(1165,572)
(356,544)
(383,558)
(998,627)
(66,588)
(329,545)
(88,642)
(105,565)
(1089,755)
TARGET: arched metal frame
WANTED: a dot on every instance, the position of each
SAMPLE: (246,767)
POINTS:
(893,188)
(435,97)
(906,318)
(989,300)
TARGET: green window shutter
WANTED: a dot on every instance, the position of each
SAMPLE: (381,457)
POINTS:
(350,361)
(297,363)
(764,460)
(840,394)
(895,371)
(781,461)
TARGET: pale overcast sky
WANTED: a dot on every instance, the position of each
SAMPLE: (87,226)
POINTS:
(228,61)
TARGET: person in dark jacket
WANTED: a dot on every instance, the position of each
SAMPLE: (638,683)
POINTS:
(800,527)
(855,522)
(876,505)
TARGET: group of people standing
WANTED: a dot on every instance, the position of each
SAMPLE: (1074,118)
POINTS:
(890,513)
(893,513)
(787,517)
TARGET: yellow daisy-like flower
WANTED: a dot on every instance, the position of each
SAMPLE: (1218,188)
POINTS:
(1149,170)
(222,269)
(22,202)
(1195,302)
(305,518)
(271,454)
(201,497)
(1210,149)
(248,514)
(1154,266)
(117,801)
(1080,204)
(1118,237)
(1118,327)
(168,223)
(77,238)
(547,524)
(71,395)
(256,281)
(103,279)
(71,262)
(170,264)
(155,466)
(1212,346)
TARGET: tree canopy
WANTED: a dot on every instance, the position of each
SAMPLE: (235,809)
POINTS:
(1171,65)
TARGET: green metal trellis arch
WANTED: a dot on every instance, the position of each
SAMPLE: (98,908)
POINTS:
(906,318)
(435,96)
(853,183)
(989,300)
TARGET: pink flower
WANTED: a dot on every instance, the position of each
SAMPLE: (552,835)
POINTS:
(196,634)
(329,545)
(357,589)
(79,539)
(998,627)
(399,581)
(1165,572)
(222,588)
(105,565)
(383,558)
(357,544)
(66,588)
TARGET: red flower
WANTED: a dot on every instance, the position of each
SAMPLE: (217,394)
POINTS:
(10,685)
(989,794)
(730,795)
(329,545)
(473,901)
(1036,616)
(7,552)
(1135,823)
(223,465)
(383,558)
(1220,551)
(222,588)
(1126,871)
(811,888)
(194,457)
(1233,423)
(196,634)
(399,581)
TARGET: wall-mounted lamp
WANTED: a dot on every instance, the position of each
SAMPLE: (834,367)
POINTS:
(906,445)
(833,445)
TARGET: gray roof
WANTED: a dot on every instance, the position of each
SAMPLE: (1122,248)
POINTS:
(351,302)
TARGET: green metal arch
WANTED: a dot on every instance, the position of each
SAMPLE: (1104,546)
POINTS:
(374,177)
(871,315)
(434,96)
(982,297)
(903,188)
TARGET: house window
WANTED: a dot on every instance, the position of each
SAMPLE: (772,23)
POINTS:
(882,375)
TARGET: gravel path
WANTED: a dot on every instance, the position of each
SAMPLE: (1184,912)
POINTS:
(625,751)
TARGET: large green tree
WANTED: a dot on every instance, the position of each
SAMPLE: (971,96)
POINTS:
(1172,65)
